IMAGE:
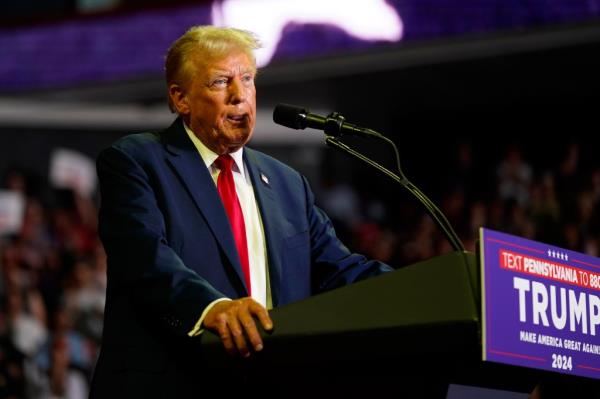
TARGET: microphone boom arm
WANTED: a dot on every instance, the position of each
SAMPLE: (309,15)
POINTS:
(437,215)
(335,126)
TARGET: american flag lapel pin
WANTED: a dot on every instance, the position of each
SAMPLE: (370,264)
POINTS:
(264,178)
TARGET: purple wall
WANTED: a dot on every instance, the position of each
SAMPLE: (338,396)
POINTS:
(128,46)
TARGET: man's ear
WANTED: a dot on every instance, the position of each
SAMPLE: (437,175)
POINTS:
(178,99)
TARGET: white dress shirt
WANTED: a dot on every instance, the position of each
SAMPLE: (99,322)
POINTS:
(255,235)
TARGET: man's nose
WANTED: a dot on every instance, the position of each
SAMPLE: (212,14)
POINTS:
(237,91)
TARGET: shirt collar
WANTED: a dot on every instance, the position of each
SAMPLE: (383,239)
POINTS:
(209,156)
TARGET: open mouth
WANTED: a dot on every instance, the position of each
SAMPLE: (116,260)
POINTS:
(236,118)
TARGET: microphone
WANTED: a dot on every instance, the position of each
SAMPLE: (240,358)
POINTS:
(333,124)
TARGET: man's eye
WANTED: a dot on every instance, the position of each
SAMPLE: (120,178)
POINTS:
(219,82)
(247,78)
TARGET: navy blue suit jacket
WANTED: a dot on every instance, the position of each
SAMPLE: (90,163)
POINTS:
(171,252)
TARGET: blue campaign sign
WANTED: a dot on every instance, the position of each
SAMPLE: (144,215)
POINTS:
(540,305)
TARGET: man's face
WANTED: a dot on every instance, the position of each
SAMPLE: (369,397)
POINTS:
(219,105)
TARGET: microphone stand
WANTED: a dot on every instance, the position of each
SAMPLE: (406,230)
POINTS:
(333,130)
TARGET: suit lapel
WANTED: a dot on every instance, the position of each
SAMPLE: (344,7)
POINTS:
(190,167)
(270,213)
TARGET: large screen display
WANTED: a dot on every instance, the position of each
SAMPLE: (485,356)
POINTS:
(132,45)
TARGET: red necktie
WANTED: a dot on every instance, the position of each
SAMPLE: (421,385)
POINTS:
(226,187)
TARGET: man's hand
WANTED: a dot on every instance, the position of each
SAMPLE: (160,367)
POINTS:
(234,323)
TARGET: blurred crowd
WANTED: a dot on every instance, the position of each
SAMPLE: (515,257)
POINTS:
(53,271)
(555,202)
(52,290)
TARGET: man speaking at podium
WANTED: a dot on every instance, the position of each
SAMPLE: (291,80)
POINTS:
(202,233)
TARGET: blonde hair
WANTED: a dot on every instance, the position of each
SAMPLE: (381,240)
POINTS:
(206,42)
